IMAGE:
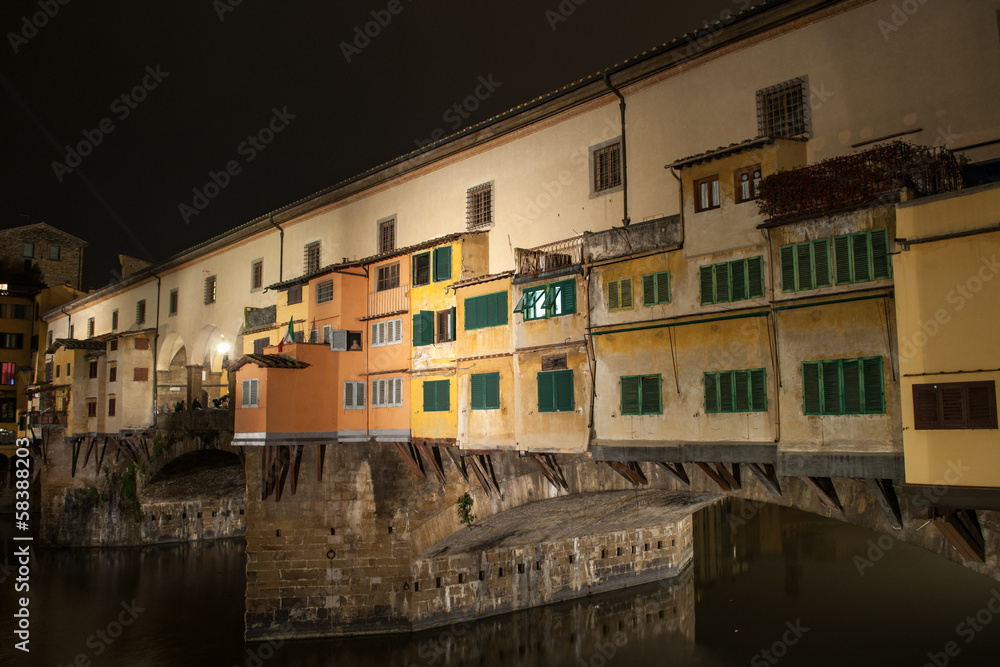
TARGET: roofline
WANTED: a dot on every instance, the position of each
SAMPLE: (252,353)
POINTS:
(45,224)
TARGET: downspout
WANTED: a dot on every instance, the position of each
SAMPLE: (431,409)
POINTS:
(281,247)
(773,336)
(69,321)
(156,341)
(621,106)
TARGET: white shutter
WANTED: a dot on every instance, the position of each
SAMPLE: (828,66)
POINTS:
(245,403)
(391,398)
(396,331)
(360,392)
(348,395)
(399,391)
(327,330)
(381,393)
(373,338)
(337,339)
(374,393)
(254,390)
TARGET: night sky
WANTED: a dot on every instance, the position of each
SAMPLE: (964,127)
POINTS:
(160,94)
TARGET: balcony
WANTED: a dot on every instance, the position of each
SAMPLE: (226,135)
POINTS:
(851,180)
(388,302)
(551,257)
(47,418)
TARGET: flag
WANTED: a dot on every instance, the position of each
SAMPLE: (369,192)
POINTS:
(289,336)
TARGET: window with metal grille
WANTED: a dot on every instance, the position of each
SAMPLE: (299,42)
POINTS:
(736,391)
(950,405)
(294,295)
(250,393)
(327,333)
(843,387)
(387,277)
(805,266)
(552,300)
(211,286)
(386,235)
(54,253)
(90,327)
(114,320)
(387,393)
(257,274)
(783,110)
(862,256)
(324,291)
(311,257)
(620,294)
(314,335)
(706,194)
(422,269)
(607,166)
(388,332)
(488,310)
(140,312)
(555,391)
(354,395)
(640,395)
(172,303)
(140,374)
(747,183)
(479,206)
(656,288)
(485,391)
(111,406)
(437,395)
(92,370)
(732,281)
(91,407)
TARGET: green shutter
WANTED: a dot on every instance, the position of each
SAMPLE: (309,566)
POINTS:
(711,393)
(739,278)
(423,328)
(842,259)
(500,302)
(613,300)
(788,268)
(470,314)
(451,323)
(722,283)
(821,262)
(626,293)
(437,395)
(649,391)
(477,392)
(726,391)
(831,388)
(430,396)
(568,296)
(418,324)
(491,389)
(482,310)
(851,370)
(862,257)
(707,286)
(811,403)
(564,390)
(880,254)
(758,390)
(741,383)
(442,263)
(755,277)
(546,392)
(648,290)
(803,257)
(663,287)
(444,393)
(874,387)
(630,395)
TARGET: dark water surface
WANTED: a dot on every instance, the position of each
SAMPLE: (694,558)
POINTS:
(781,581)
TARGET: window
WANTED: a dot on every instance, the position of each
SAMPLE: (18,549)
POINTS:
(257,274)
(172,302)
(479,206)
(111,406)
(422,269)
(90,327)
(640,395)
(71,327)
(485,391)
(387,393)
(91,407)
(18,311)
(387,277)
(8,410)
(354,395)
(7,373)
(549,300)
(311,258)
(93,369)
(114,320)
(112,372)
(445,321)
(423,328)
(862,256)
(437,395)
(48,339)
(140,311)
(805,266)
(736,391)
(314,335)
(251,393)
(843,387)
(606,161)
(747,183)
(388,332)
(620,294)
(211,289)
(57,370)
(706,194)
(732,281)
(386,235)
(259,344)
(555,391)
(11,341)
(948,405)
(324,291)
(488,310)
(3,310)
(656,288)
(54,252)
(442,263)
(298,336)
(29,250)
(294,295)
(140,374)
(141,343)
(783,110)
(327,333)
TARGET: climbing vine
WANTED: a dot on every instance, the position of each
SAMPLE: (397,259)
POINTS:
(465,509)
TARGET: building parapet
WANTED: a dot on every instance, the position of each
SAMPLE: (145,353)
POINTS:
(549,257)
(642,237)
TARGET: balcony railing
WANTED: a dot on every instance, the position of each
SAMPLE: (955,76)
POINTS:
(549,257)
(47,418)
(388,302)
(849,180)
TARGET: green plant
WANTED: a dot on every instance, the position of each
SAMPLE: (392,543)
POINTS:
(86,494)
(465,509)
(129,493)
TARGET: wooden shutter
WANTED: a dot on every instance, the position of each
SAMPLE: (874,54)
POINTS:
(423,328)
(758,390)
(359,395)
(722,294)
(873,385)
(707,285)
(880,254)
(482,310)
(500,306)
(546,392)
(738,277)
(338,340)
(614,298)
(430,395)
(821,263)
(452,314)
(663,287)
(851,370)
(982,405)
(925,406)
(626,293)
(650,394)
(831,388)
(139,374)
(470,313)
(564,390)
(477,391)
(630,395)
(568,295)
(842,259)
(755,277)
(491,389)
(862,257)
(711,393)
(803,258)
(726,391)
(442,263)
(648,290)
(741,382)
(811,403)
(399,390)
(245,399)
(348,395)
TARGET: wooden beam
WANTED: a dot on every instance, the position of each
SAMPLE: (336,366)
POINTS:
(281,464)
(962,529)
(732,478)
(320,456)
(827,492)
(91,444)
(76,453)
(885,495)
(459,462)
(487,461)
(547,464)
(480,475)
(100,460)
(766,475)
(296,462)
(630,470)
(427,453)
(707,469)
(410,458)
(675,471)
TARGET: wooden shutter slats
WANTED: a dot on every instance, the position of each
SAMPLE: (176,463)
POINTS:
(803,253)
(821,262)
(711,393)
(649,390)
(707,285)
(873,385)
(852,386)
(630,395)
(811,404)
(842,259)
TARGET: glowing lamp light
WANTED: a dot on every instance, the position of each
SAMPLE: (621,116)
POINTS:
(223,347)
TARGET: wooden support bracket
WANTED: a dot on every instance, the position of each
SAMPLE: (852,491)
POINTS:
(716,477)
(411,458)
(100,460)
(282,464)
(885,495)
(766,475)
(91,444)
(549,467)
(675,471)
(827,492)
(962,529)
(76,453)
(630,470)
(320,457)
(296,462)
(732,477)
(432,456)
(459,462)
(482,466)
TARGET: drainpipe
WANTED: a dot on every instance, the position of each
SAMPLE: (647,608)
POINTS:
(156,341)
(773,335)
(69,320)
(680,188)
(281,248)
(621,106)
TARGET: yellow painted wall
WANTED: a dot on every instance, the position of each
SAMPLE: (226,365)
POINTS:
(551,431)
(435,424)
(486,429)
(487,340)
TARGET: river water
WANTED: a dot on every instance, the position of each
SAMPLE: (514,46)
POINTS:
(778,587)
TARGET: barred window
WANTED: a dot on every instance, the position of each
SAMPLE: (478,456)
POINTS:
(387,235)
(607,161)
(311,259)
(90,327)
(211,285)
(324,291)
(114,321)
(257,274)
(479,206)
(140,312)
(783,110)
